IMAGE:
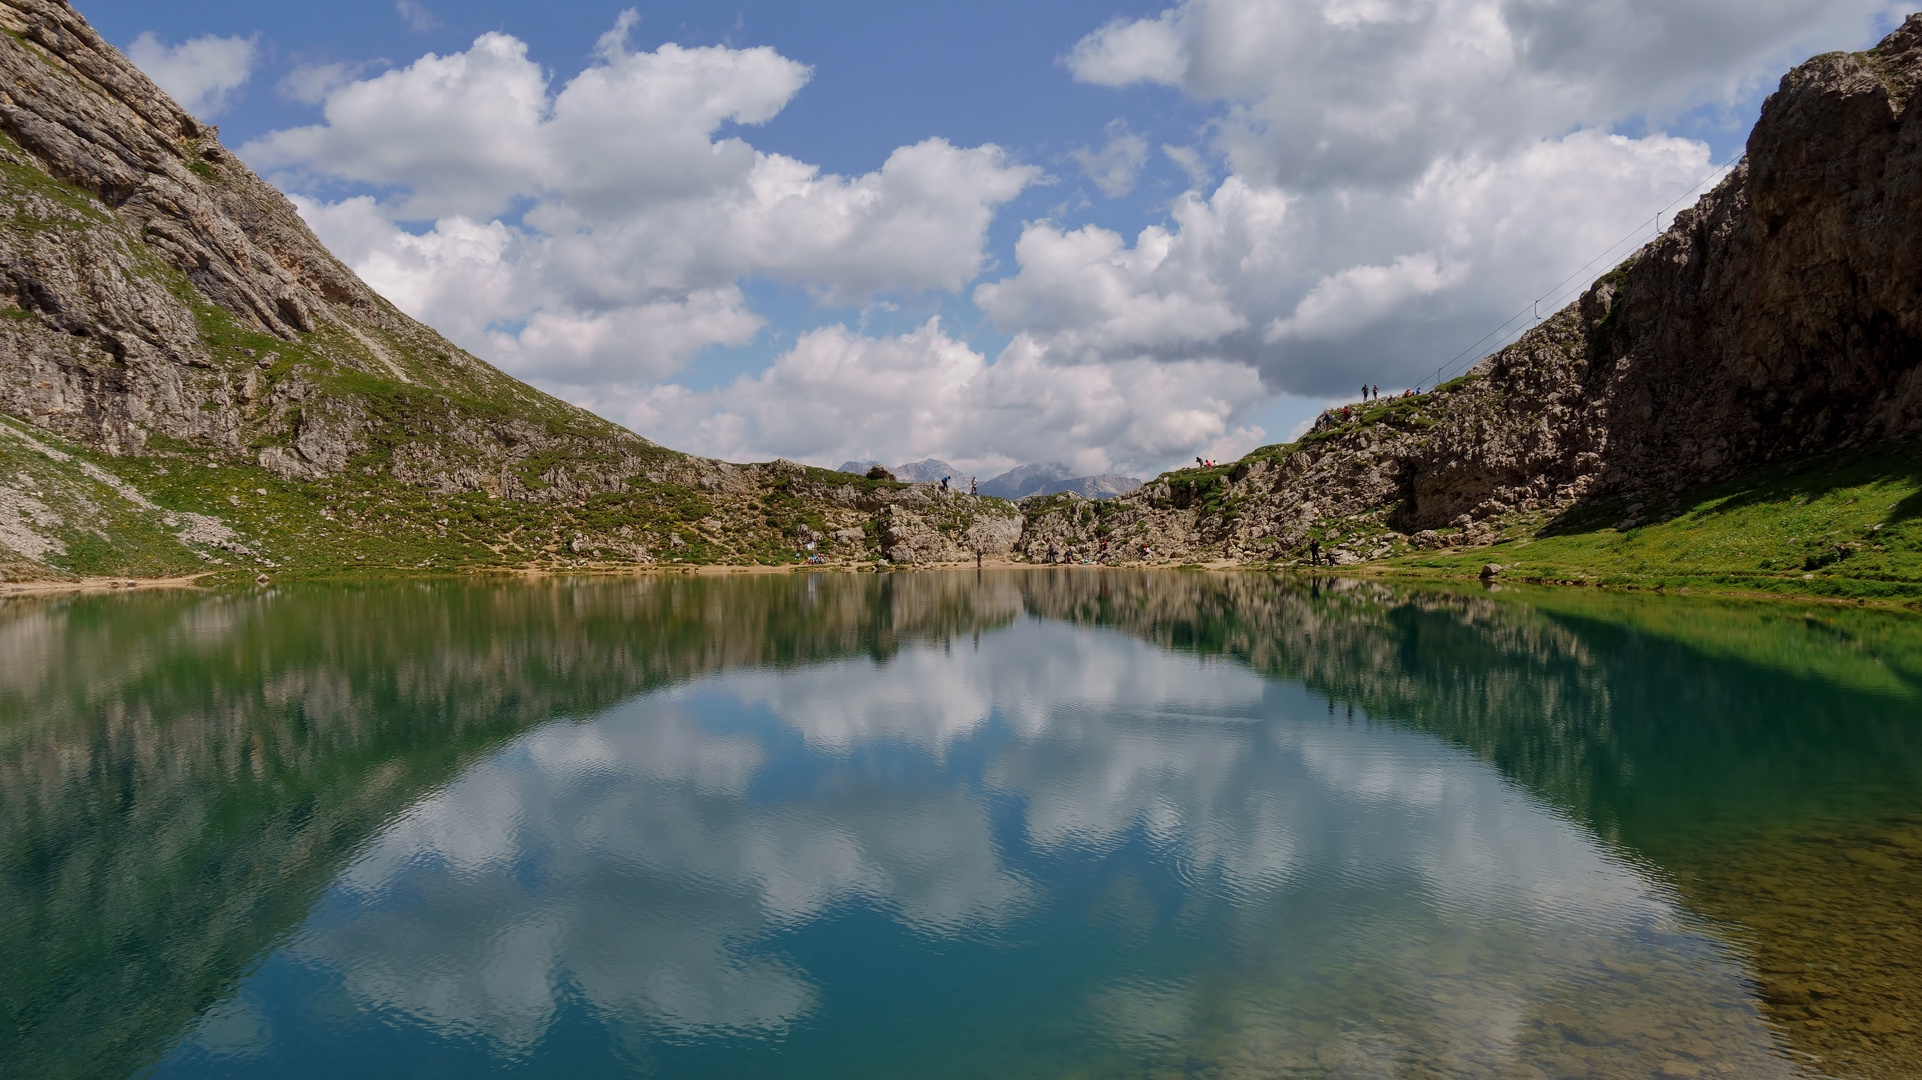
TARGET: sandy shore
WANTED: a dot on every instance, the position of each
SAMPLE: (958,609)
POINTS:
(93,585)
(123,584)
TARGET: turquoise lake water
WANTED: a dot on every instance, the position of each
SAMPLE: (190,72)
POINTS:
(1048,824)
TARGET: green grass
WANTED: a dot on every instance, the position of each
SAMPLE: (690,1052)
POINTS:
(96,530)
(1845,526)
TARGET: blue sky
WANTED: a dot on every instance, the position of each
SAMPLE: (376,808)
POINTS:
(1365,187)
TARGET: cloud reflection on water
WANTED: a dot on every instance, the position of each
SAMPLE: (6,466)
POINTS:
(638,863)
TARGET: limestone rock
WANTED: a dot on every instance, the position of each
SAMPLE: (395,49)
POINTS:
(1779,317)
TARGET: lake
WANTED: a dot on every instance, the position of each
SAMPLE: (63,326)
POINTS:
(1037,824)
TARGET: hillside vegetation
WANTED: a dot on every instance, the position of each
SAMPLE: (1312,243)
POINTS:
(193,384)
(1736,406)
(1846,525)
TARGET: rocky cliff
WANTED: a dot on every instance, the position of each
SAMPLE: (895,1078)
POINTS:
(190,379)
(1779,317)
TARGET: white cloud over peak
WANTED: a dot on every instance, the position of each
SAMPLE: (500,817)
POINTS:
(202,74)
(1403,174)
(1319,289)
(838,394)
(1340,92)
(1349,300)
(639,217)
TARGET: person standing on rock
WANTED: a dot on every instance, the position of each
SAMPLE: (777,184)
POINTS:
(1314,553)
(944,484)
(974,488)
(1377,392)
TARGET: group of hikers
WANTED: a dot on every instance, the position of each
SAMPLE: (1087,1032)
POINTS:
(974,484)
(1371,392)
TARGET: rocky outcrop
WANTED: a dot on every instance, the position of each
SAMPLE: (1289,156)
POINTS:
(1779,317)
(166,311)
(169,324)
(923,524)
(1103,486)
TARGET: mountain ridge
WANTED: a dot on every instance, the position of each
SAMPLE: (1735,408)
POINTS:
(189,382)
(1778,319)
(169,322)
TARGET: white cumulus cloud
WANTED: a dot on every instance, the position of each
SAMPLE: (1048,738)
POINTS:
(1351,299)
(1374,185)
(838,394)
(639,218)
(1316,289)
(203,74)
(1321,92)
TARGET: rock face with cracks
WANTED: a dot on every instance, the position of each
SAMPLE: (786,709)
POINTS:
(1779,317)
(169,323)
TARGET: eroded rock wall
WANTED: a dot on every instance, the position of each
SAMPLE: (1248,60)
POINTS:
(1781,316)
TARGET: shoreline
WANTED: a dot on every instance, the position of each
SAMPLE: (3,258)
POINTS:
(1367,572)
(99,585)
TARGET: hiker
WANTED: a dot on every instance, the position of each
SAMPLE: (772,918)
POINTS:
(974,488)
(1314,553)
(1364,392)
(1200,464)
(1054,554)
(977,558)
(944,484)
(1377,391)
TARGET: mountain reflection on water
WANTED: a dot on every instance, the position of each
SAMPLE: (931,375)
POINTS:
(1022,824)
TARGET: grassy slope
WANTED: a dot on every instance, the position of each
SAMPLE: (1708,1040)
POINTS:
(1844,526)
(365,520)
(98,530)
(353,525)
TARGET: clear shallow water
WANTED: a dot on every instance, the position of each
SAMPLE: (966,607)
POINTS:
(1063,824)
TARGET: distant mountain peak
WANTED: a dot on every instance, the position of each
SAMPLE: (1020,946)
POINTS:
(1053,478)
(925,471)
